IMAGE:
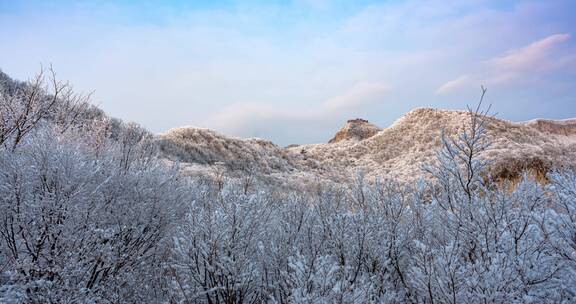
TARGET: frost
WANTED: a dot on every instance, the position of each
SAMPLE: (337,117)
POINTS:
(91,212)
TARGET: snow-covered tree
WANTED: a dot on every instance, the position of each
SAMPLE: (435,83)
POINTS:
(91,213)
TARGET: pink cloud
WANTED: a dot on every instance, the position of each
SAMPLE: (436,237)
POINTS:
(454,84)
(520,65)
(239,117)
(360,94)
(534,56)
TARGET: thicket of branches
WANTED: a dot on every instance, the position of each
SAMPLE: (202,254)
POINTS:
(89,214)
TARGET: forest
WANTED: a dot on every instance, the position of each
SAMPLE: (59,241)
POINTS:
(90,212)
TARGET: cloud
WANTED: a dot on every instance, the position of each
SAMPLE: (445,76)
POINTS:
(454,84)
(528,63)
(535,56)
(255,119)
(358,95)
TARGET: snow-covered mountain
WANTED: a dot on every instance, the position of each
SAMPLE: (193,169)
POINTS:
(395,152)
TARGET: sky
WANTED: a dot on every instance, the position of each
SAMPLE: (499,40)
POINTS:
(295,71)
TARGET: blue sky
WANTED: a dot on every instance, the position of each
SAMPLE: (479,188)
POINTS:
(294,71)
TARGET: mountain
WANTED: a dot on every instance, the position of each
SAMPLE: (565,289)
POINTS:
(396,152)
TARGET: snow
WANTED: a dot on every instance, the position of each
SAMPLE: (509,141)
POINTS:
(101,212)
(395,152)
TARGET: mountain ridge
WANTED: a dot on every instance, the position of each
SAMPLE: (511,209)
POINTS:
(396,152)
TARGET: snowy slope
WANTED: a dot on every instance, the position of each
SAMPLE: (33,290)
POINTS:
(396,152)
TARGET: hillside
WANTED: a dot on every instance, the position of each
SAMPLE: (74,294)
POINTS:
(93,211)
(395,152)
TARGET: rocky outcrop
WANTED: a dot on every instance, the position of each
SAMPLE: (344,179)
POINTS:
(355,129)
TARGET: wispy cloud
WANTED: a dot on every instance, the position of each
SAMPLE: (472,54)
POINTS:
(530,56)
(526,63)
(256,119)
(538,57)
(454,84)
(359,95)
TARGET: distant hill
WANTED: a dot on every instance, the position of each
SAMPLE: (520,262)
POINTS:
(395,152)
